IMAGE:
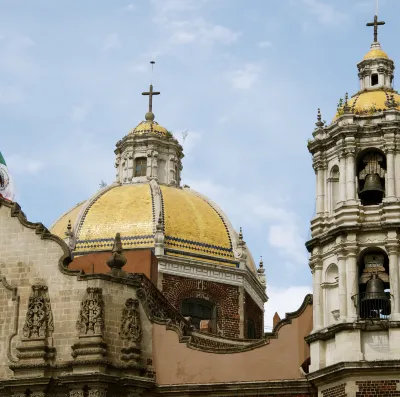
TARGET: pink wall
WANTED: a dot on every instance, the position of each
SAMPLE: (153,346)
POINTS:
(175,363)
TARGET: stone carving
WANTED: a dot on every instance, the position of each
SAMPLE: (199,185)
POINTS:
(91,316)
(157,307)
(97,393)
(39,319)
(131,328)
(76,393)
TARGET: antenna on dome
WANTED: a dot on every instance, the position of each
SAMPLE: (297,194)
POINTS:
(152,63)
(184,135)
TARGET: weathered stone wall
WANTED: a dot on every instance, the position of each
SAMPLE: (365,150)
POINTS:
(225,297)
(253,313)
(27,259)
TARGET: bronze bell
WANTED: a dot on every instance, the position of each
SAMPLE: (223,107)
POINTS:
(374,302)
(373,192)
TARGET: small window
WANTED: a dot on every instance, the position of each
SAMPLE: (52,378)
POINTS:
(140,166)
(197,309)
(251,330)
(374,79)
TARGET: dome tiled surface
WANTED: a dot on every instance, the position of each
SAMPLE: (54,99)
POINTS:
(149,127)
(192,226)
(370,102)
(375,53)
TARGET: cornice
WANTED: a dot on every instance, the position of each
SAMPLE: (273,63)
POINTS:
(271,387)
(216,273)
(351,369)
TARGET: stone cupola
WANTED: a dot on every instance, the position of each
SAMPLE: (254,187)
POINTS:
(149,152)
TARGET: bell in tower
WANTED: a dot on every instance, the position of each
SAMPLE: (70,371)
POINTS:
(374,302)
(371,178)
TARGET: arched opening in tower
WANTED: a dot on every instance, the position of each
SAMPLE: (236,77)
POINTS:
(373,299)
(371,171)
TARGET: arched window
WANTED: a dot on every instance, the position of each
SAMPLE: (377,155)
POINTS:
(334,182)
(197,309)
(374,79)
(140,166)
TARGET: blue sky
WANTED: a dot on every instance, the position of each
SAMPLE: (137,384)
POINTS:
(245,78)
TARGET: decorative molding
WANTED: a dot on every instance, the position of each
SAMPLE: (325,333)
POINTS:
(91,315)
(39,318)
(16,299)
(218,274)
(131,328)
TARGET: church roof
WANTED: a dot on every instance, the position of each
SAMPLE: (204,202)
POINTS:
(193,227)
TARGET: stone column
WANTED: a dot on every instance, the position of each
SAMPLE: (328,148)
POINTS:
(320,189)
(352,283)
(327,192)
(350,176)
(394,280)
(397,174)
(390,192)
(341,256)
(317,312)
(342,177)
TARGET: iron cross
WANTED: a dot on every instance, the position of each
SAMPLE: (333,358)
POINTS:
(375,24)
(150,93)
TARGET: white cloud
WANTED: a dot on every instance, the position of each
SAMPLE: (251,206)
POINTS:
(326,14)
(112,42)
(79,112)
(198,30)
(130,7)
(246,77)
(264,44)
(19,164)
(282,301)
(168,6)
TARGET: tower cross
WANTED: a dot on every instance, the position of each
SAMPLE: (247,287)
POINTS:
(150,93)
(375,24)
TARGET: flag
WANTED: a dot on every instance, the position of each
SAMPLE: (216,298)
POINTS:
(6,187)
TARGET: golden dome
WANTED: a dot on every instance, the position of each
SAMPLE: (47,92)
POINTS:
(374,53)
(370,102)
(149,127)
(193,227)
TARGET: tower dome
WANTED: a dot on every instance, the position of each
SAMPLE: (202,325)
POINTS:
(375,73)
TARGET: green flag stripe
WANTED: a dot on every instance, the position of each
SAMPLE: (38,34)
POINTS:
(2,161)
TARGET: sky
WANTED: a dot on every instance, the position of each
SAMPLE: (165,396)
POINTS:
(243,78)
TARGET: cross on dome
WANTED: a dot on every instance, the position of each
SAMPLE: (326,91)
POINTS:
(375,24)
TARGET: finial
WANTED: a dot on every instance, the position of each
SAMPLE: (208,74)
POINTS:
(68,232)
(319,122)
(261,269)
(117,259)
(159,226)
(390,101)
(150,115)
(375,24)
(240,234)
(346,107)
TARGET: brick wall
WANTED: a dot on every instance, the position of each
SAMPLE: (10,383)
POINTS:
(254,313)
(225,298)
(377,388)
(336,391)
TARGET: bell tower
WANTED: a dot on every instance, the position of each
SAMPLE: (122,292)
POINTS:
(354,245)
